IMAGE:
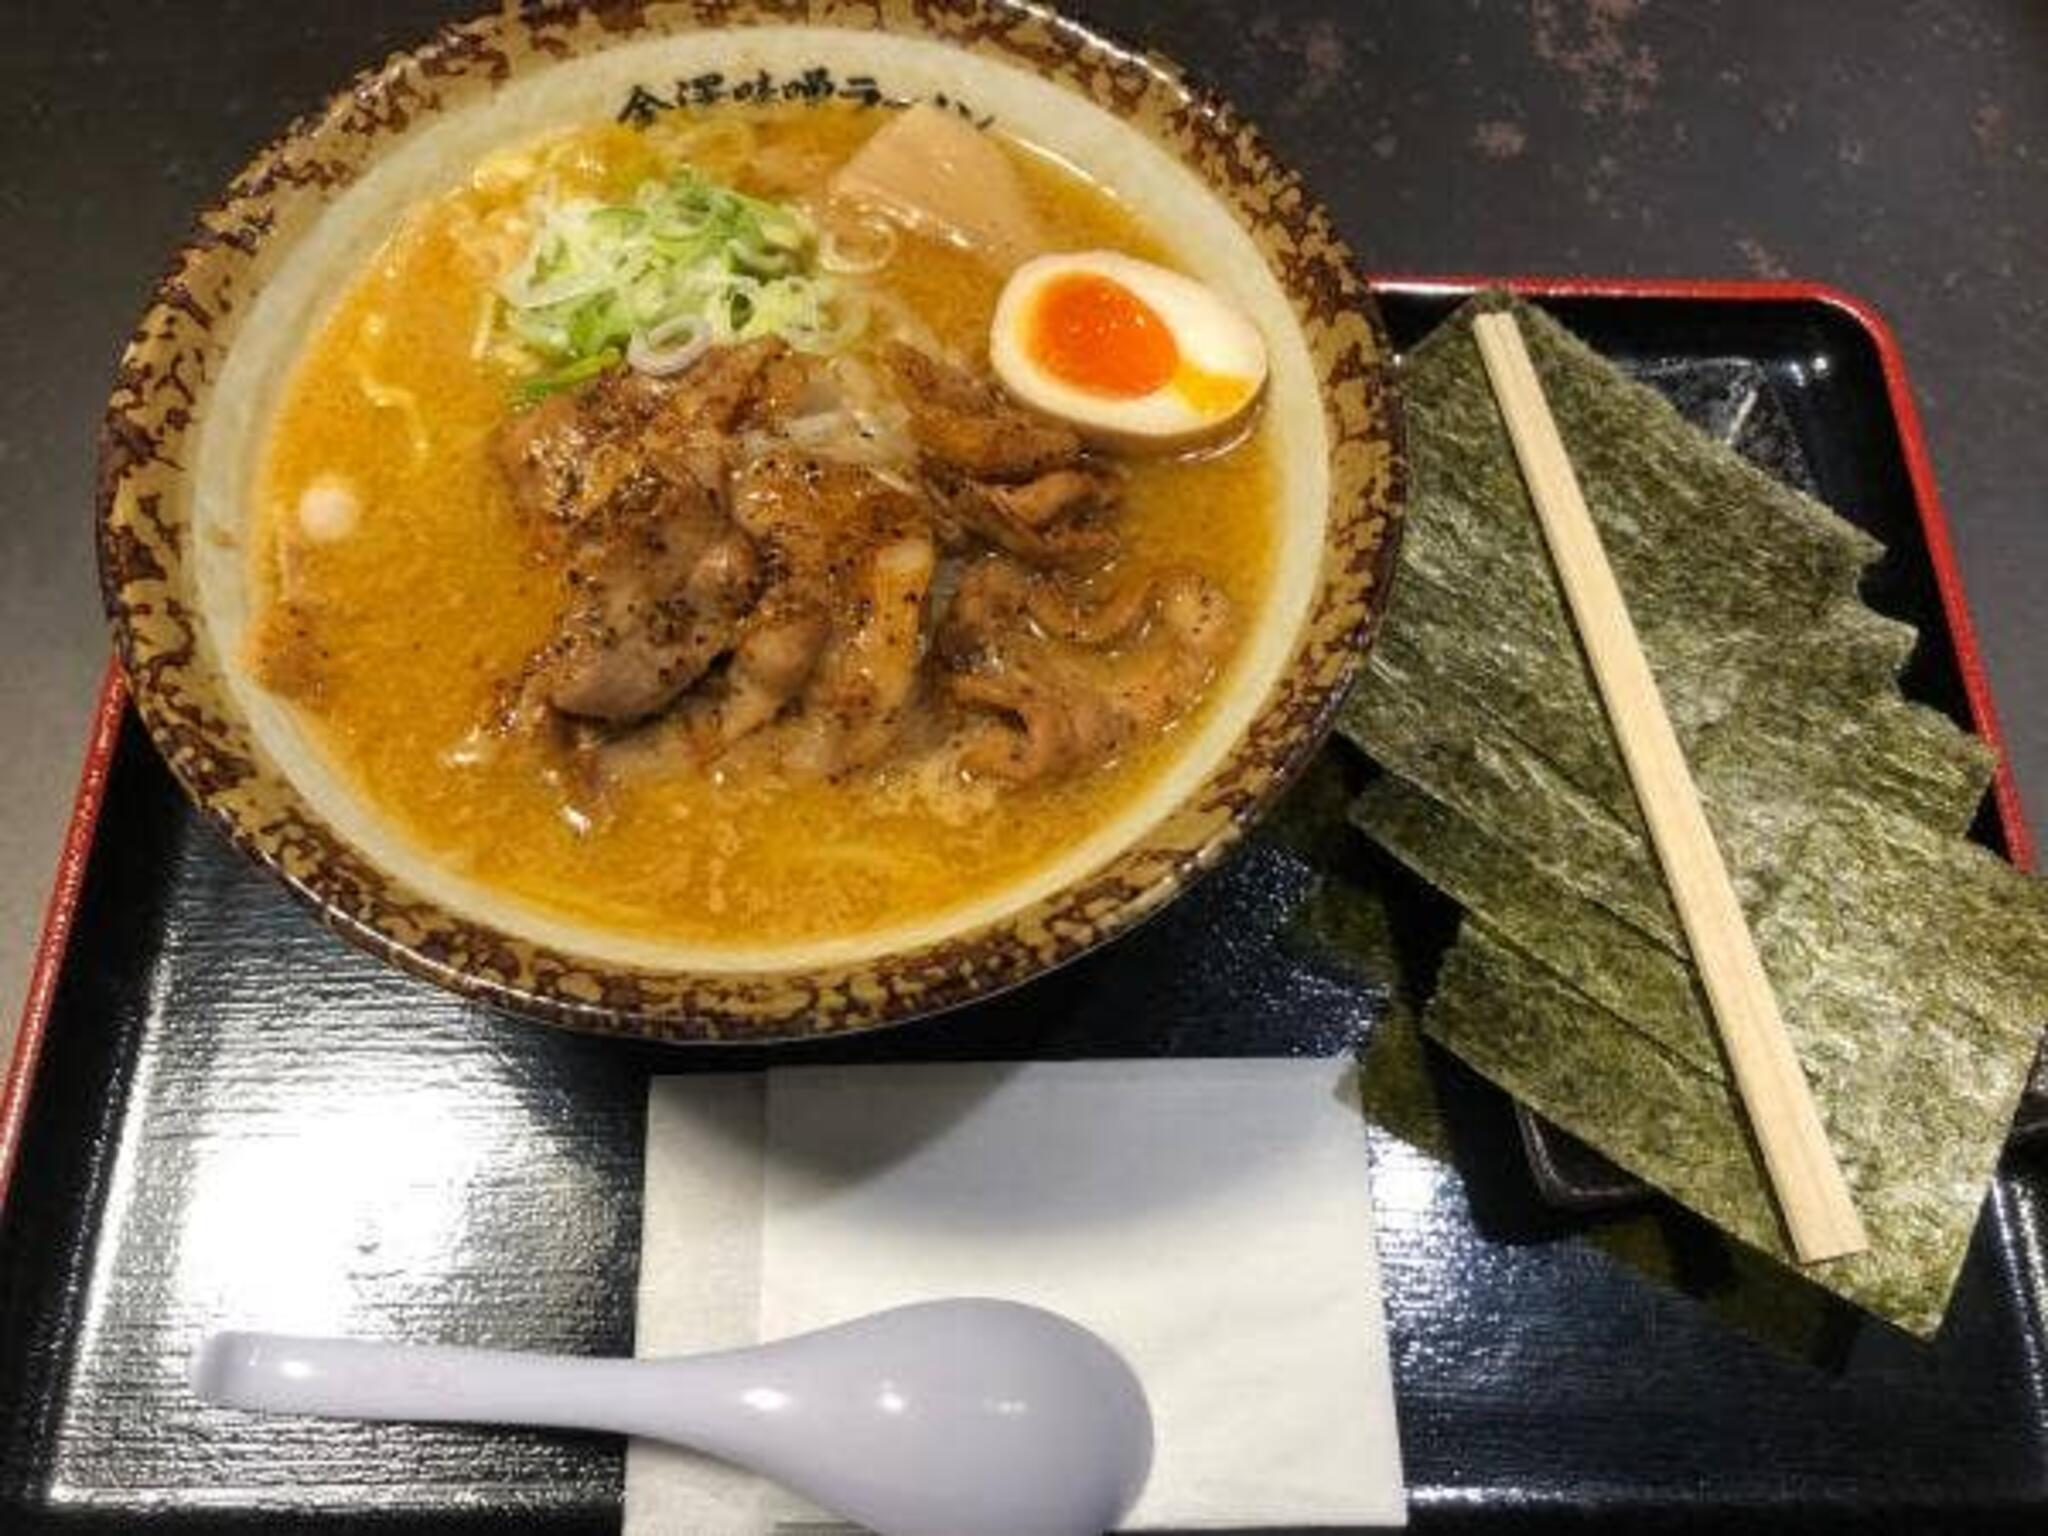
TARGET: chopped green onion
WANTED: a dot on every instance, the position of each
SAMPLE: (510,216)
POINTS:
(600,277)
(536,390)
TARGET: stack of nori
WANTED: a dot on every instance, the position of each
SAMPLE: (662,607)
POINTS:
(1911,965)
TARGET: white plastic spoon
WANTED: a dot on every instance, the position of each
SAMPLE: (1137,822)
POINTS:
(950,1418)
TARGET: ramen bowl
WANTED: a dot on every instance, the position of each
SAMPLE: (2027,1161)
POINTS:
(200,379)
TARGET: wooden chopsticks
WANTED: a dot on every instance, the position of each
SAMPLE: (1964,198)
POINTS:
(1812,1195)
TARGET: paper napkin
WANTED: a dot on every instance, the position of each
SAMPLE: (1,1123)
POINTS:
(1211,1219)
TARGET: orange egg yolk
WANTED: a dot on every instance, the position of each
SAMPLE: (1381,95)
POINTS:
(1092,332)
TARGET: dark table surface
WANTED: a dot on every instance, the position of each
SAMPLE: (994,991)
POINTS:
(1899,150)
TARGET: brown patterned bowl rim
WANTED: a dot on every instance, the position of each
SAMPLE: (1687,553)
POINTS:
(180,694)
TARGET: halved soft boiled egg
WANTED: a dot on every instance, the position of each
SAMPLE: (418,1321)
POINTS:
(1131,355)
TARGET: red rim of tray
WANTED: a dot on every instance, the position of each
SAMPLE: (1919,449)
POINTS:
(62,909)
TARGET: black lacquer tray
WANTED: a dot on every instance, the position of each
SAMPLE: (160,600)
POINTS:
(221,1112)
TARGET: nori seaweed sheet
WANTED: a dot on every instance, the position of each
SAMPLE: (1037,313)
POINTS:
(1640,981)
(1705,678)
(1912,967)
(1869,907)
(1670,1247)
(1759,772)
(1917,1119)
(1354,925)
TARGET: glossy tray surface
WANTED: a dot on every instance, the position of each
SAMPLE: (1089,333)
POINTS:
(236,1117)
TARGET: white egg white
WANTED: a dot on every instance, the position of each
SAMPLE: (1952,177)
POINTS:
(1211,334)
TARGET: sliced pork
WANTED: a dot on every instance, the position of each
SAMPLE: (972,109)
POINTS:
(743,559)
(1058,679)
(964,426)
